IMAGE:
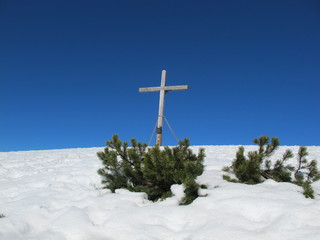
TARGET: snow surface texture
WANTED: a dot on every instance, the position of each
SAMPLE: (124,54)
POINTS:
(57,195)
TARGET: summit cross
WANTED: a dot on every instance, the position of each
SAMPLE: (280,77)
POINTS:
(163,89)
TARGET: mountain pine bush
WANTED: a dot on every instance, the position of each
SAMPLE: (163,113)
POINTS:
(306,172)
(152,170)
(257,166)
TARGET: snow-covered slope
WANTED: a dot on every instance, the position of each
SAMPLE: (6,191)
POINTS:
(56,195)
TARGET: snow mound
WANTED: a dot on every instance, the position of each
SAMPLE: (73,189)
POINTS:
(57,195)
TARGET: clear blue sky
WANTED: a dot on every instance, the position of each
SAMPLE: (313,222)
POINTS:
(70,71)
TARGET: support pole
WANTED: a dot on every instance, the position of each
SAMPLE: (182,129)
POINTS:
(161,108)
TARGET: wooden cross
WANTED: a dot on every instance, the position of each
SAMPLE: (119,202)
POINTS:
(163,89)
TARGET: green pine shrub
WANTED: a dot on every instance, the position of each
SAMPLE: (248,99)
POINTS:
(256,167)
(151,170)
(308,191)
(191,191)
(306,173)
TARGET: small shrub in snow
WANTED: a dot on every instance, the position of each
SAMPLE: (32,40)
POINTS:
(308,192)
(203,186)
(191,191)
(306,173)
(311,173)
(151,170)
(257,167)
(2,216)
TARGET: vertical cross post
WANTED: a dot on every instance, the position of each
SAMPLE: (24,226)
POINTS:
(163,89)
(161,108)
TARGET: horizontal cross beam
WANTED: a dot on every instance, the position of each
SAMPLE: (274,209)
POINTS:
(166,88)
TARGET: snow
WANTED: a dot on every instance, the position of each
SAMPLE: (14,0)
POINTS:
(57,195)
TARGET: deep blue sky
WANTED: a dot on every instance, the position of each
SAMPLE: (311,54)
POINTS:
(70,71)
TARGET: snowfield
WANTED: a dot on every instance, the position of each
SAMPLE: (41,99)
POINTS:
(57,195)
